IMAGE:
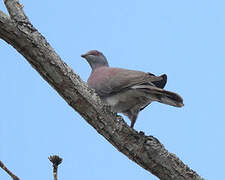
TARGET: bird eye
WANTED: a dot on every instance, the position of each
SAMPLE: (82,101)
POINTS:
(96,53)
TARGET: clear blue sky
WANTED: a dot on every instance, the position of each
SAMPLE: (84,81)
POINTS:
(184,39)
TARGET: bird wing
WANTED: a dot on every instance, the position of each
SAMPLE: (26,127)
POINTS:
(158,84)
(161,83)
(108,81)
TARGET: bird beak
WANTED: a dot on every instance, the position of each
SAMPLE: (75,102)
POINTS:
(83,55)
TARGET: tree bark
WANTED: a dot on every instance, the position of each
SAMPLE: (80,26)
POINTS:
(146,151)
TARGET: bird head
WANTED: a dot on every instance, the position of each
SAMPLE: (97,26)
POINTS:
(95,59)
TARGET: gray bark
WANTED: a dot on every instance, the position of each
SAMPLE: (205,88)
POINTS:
(146,151)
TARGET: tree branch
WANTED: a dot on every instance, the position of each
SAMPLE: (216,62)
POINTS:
(15,10)
(146,151)
(13,176)
(56,161)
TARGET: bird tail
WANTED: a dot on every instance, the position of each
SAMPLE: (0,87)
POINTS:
(170,98)
(161,95)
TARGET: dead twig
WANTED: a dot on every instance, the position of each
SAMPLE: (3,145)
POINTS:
(56,160)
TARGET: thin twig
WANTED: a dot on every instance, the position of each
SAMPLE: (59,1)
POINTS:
(13,176)
(56,160)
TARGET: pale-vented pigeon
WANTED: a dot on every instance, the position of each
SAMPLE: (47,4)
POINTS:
(127,91)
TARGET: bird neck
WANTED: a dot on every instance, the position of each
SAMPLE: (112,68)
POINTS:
(98,65)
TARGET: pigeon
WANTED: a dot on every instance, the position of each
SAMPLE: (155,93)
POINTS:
(127,91)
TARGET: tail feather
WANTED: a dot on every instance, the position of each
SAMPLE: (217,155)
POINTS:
(161,95)
(171,98)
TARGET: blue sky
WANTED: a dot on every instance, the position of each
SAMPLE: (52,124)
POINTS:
(184,39)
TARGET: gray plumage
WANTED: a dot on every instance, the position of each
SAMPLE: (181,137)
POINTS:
(127,91)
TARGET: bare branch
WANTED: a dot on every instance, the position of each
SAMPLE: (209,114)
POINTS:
(146,151)
(13,176)
(15,10)
(56,161)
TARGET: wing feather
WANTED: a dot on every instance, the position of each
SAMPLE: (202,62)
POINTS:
(108,81)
